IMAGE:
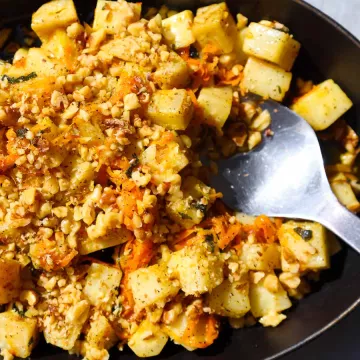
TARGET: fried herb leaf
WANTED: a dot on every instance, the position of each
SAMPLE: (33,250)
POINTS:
(305,234)
(201,207)
(16,80)
(209,239)
(21,133)
(133,165)
(184,216)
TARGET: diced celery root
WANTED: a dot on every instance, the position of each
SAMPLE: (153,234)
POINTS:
(323,105)
(310,253)
(53,15)
(230,299)
(18,335)
(177,31)
(264,301)
(148,340)
(151,286)
(214,25)
(261,257)
(172,109)
(101,282)
(265,79)
(272,45)
(215,103)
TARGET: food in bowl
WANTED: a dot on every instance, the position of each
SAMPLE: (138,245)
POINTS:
(102,129)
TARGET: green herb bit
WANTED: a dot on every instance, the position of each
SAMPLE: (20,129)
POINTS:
(209,239)
(184,216)
(201,207)
(305,234)
(20,79)
(21,133)
(133,164)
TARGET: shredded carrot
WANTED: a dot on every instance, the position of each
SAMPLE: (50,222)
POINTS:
(167,137)
(135,254)
(193,98)
(201,331)
(265,230)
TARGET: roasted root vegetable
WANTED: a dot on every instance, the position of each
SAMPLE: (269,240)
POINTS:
(173,73)
(323,105)
(272,45)
(230,298)
(214,26)
(115,16)
(148,340)
(52,16)
(265,79)
(344,192)
(10,282)
(215,105)
(304,243)
(197,269)
(177,29)
(150,286)
(18,335)
(101,334)
(172,109)
(261,257)
(266,299)
(101,283)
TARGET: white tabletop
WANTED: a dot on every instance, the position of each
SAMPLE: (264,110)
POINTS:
(346,12)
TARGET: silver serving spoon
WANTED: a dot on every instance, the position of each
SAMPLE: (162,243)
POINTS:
(285,177)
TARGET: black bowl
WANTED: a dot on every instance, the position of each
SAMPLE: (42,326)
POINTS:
(328,51)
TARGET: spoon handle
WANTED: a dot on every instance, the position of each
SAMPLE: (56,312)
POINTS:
(341,222)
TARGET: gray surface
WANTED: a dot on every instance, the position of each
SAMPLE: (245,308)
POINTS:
(341,341)
(346,12)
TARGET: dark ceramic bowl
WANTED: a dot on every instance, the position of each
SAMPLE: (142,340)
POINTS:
(328,51)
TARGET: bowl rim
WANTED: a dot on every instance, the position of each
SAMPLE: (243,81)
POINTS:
(345,313)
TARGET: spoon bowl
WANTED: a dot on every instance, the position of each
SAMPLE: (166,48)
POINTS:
(285,177)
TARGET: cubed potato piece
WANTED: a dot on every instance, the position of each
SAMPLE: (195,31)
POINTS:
(101,283)
(112,238)
(173,73)
(115,16)
(53,15)
(215,26)
(177,29)
(264,301)
(60,46)
(18,334)
(9,280)
(101,334)
(198,269)
(151,286)
(65,335)
(306,241)
(261,257)
(148,340)
(177,328)
(81,175)
(185,211)
(272,45)
(344,192)
(172,109)
(323,105)
(215,103)
(241,56)
(230,299)
(265,79)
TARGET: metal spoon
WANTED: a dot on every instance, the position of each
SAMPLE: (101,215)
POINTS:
(285,177)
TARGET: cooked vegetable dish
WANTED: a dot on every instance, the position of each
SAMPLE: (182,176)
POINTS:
(109,233)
